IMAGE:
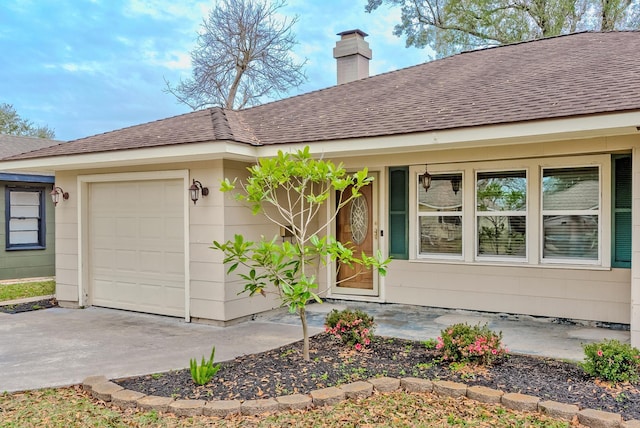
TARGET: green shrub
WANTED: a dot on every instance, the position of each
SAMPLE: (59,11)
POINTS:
(612,361)
(203,373)
(354,328)
(465,343)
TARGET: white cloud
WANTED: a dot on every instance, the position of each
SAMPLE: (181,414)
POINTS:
(86,67)
(169,9)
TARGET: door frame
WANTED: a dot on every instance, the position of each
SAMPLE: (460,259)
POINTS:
(335,291)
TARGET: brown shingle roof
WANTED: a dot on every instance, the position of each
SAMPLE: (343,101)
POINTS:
(579,74)
(11,145)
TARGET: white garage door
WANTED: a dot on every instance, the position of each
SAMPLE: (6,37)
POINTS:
(136,246)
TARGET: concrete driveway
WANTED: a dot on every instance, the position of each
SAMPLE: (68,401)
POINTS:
(58,347)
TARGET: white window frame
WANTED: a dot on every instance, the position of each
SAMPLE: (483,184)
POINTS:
(534,167)
(478,214)
(598,213)
(441,256)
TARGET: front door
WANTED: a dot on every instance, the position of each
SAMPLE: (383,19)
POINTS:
(357,226)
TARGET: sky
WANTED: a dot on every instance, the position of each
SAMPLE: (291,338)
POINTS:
(84,67)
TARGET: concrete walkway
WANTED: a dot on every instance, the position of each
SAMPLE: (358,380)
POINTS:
(523,334)
(57,347)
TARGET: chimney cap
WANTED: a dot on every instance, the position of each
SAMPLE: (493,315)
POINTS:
(356,31)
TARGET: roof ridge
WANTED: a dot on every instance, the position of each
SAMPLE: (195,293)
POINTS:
(221,128)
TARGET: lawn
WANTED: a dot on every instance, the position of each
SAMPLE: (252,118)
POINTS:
(71,407)
(26,289)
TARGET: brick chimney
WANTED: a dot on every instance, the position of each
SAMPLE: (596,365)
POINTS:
(352,55)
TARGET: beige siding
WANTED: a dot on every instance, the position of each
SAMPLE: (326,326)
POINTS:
(238,219)
(67,241)
(580,292)
(553,292)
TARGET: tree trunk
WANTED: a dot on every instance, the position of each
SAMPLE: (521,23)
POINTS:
(305,334)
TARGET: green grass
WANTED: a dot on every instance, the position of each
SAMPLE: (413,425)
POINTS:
(71,407)
(26,289)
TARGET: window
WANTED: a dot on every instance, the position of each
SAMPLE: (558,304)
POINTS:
(24,211)
(501,214)
(570,214)
(532,211)
(440,216)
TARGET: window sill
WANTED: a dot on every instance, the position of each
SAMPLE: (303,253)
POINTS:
(511,264)
(28,247)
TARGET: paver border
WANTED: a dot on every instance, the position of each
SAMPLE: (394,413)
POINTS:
(592,418)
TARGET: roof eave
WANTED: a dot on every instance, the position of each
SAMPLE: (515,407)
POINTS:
(529,132)
(132,157)
(539,131)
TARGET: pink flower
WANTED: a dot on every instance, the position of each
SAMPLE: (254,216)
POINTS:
(600,353)
(494,352)
(358,347)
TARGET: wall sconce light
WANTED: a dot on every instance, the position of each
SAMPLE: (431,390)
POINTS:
(55,195)
(455,185)
(195,190)
(425,179)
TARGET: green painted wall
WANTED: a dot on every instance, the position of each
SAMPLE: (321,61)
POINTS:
(28,263)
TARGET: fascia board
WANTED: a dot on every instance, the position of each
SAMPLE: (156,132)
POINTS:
(479,136)
(143,156)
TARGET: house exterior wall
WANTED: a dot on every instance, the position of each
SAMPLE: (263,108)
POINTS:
(591,292)
(587,292)
(213,295)
(29,263)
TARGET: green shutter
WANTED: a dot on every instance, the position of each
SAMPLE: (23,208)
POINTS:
(399,212)
(621,207)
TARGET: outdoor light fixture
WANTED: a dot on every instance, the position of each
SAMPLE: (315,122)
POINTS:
(455,185)
(55,195)
(195,190)
(425,179)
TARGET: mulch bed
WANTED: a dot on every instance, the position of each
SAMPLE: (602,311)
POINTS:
(282,371)
(31,306)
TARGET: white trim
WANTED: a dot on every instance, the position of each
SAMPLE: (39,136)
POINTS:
(525,214)
(83,182)
(535,131)
(439,256)
(593,212)
(533,167)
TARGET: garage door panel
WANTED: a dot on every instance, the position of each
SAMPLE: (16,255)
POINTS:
(171,225)
(126,261)
(137,246)
(149,227)
(174,263)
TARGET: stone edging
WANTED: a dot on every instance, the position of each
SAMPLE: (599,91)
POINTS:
(103,389)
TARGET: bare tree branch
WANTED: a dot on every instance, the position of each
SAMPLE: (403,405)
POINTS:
(243,55)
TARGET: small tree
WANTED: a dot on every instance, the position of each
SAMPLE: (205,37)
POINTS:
(243,55)
(12,124)
(297,186)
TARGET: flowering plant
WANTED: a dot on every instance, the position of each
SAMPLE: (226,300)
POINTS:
(353,328)
(612,361)
(465,343)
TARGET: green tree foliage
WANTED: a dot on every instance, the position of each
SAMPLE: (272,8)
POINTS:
(290,191)
(243,55)
(12,124)
(451,26)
